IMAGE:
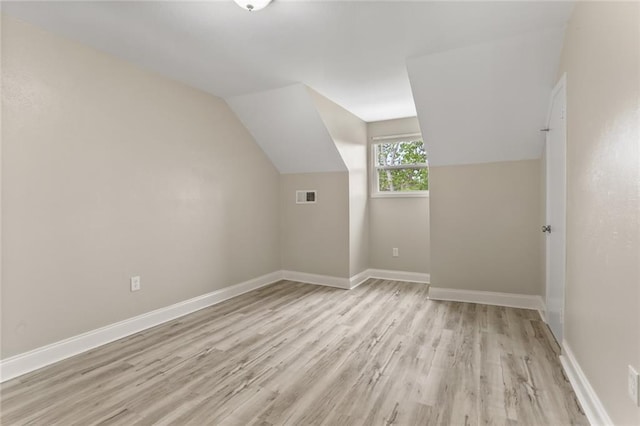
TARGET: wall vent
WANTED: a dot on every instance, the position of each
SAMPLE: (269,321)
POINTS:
(306,196)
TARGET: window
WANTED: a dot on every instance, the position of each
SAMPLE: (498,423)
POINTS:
(400,166)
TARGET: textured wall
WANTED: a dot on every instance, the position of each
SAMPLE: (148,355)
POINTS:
(485,226)
(109,171)
(349,134)
(314,238)
(602,310)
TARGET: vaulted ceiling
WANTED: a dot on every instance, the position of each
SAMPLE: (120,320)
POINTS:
(486,102)
(353,52)
(288,127)
(477,74)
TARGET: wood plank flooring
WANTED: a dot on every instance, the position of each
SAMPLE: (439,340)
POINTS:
(298,354)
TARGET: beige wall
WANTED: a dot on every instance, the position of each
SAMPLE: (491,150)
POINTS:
(485,225)
(349,133)
(314,238)
(109,171)
(401,223)
(398,222)
(602,310)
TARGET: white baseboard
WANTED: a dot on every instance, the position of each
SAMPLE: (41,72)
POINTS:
(511,300)
(49,354)
(542,310)
(29,361)
(356,280)
(591,404)
(46,355)
(387,274)
(325,280)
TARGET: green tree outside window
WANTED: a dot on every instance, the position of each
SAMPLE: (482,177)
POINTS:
(402,166)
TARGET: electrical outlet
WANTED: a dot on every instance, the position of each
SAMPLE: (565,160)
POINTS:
(395,252)
(135,283)
(633,384)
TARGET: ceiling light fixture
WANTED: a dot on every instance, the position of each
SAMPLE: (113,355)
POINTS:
(252,5)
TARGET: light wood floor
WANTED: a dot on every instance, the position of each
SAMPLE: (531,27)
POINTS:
(291,353)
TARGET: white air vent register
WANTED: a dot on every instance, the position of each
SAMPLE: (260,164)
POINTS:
(306,196)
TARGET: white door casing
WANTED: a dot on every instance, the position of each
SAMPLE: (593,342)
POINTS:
(556,196)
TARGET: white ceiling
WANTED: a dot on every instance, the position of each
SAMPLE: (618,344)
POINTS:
(286,124)
(486,102)
(352,52)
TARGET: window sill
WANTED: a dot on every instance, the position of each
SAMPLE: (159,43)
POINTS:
(422,194)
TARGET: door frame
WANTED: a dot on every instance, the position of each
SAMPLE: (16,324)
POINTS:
(561,85)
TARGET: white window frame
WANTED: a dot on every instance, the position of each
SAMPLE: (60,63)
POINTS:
(374,168)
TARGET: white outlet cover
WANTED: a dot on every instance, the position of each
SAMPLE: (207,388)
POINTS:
(135,283)
(633,384)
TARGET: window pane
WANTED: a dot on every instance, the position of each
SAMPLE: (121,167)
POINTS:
(399,180)
(400,153)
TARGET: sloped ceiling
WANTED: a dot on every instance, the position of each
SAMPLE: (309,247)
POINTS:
(486,102)
(288,127)
(475,102)
(352,52)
